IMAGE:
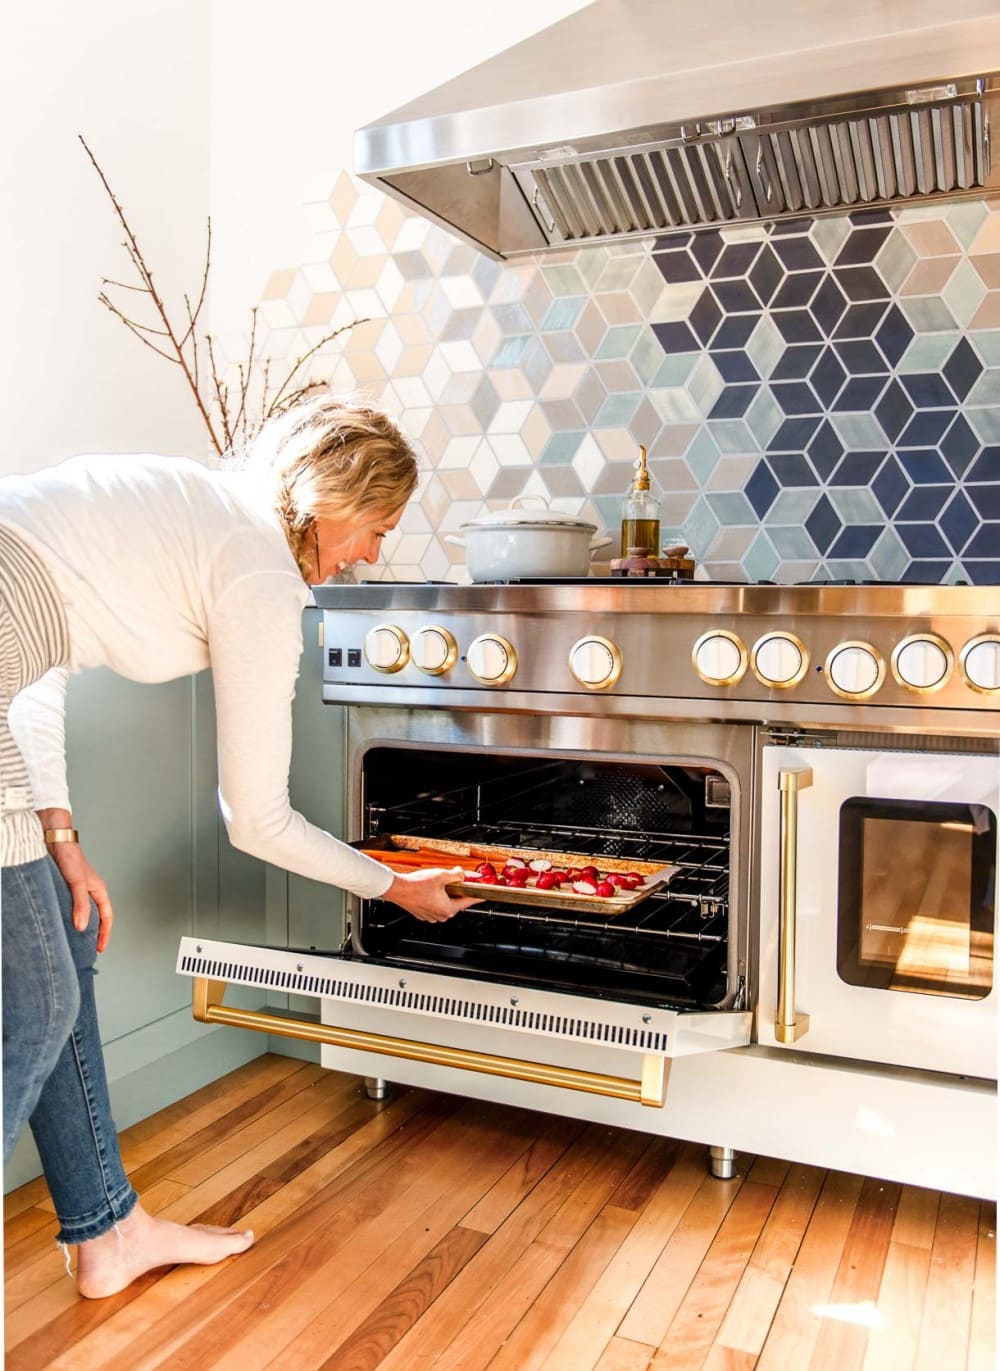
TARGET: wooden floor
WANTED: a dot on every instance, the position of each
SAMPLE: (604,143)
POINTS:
(430,1231)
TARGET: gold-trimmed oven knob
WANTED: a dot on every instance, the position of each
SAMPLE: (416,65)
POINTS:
(720,657)
(855,670)
(922,662)
(595,662)
(433,650)
(981,663)
(387,648)
(491,659)
(779,660)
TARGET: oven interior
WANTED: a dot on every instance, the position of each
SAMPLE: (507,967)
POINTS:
(669,950)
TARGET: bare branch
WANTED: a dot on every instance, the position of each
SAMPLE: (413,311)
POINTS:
(221,392)
(344,328)
(193,317)
(136,329)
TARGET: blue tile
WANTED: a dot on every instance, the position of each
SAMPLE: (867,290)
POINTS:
(894,334)
(735,297)
(924,468)
(857,468)
(856,540)
(861,321)
(860,357)
(959,445)
(796,361)
(963,368)
(797,290)
(733,402)
(793,435)
(986,500)
(860,394)
(735,259)
(825,450)
(894,410)
(761,489)
(766,274)
(705,248)
(735,330)
(985,543)
(923,504)
(926,573)
(959,522)
(890,485)
(561,448)
(861,283)
(704,318)
(795,397)
(676,337)
(797,254)
(927,390)
(788,226)
(791,469)
(925,428)
(922,540)
(735,365)
(796,326)
(986,466)
(823,524)
(862,245)
(680,239)
(677,267)
(828,376)
(870,216)
(982,573)
(828,304)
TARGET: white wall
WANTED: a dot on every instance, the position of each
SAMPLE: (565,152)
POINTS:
(132,77)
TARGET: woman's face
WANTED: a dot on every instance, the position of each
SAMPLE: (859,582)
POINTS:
(342,543)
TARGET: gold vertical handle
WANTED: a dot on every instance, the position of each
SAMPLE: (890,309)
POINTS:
(788,1026)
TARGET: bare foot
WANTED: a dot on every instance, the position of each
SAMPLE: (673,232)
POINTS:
(109,1263)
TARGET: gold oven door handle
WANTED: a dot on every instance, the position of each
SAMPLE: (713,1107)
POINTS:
(788,1026)
(650,1089)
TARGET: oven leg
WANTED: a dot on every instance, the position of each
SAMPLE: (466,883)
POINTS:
(722,1163)
(376,1088)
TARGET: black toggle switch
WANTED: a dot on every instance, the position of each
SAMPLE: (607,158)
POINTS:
(353,656)
(335,656)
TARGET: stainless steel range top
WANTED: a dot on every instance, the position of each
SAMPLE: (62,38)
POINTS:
(922,658)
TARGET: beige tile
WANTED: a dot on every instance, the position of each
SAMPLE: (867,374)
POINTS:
(343,197)
(931,238)
(619,308)
(389,221)
(988,237)
(279,283)
(321,308)
(460,485)
(617,444)
(930,275)
(987,264)
(435,436)
(536,431)
(988,313)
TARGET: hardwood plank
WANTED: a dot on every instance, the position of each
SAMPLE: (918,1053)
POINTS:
(642,1182)
(507,1193)
(623,1355)
(21,1226)
(893,1337)
(693,1328)
(729,1359)
(843,1336)
(982,1333)
(916,1217)
(795,1327)
(944,1331)
(767,1171)
(26,1196)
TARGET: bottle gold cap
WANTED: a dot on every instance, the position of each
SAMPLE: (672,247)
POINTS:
(640,480)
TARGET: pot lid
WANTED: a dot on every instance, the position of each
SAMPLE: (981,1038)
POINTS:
(518,517)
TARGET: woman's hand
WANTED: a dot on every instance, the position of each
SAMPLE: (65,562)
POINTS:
(83,881)
(424,894)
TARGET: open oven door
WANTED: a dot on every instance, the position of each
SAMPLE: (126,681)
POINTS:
(483,1026)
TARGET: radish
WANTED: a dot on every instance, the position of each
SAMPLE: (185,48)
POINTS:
(546,881)
(585,887)
(540,864)
(515,862)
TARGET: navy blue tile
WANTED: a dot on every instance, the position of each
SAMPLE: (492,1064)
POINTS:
(871,216)
(705,248)
(857,468)
(894,334)
(861,357)
(861,321)
(787,226)
(735,365)
(797,289)
(761,489)
(986,501)
(925,428)
(894,410)
(797,254)
(923,504)
(704,318)
(791,469)
(735,259)
(922,540)
(795,397)
(924,467)
(796,326)
(963,368)
(927,390)
(796,361)
(890,485)
(959,522)
(680,239)
(959,445)
(733,402)
(982,573)
(985,543)
(862,245)
(823,524)
(828,376)
(861,283)
(735,330)
(825,450)
(860,394)
(676,337)
(922,572)
(856,540)
(766,274)
(828,304)
(676,267)
(793,435)
(986,466)
(735,297)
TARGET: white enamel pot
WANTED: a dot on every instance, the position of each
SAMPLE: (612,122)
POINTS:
(513,543)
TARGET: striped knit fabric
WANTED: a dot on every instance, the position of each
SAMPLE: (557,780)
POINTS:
(33,639)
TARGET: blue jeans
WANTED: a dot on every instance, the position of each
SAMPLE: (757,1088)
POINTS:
(53,1066)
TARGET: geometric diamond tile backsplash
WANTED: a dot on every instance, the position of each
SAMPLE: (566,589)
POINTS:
(820,398)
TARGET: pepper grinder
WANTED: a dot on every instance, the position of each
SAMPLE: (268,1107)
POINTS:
(640,512)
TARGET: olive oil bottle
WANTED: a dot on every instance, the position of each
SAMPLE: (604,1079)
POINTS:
(641,513)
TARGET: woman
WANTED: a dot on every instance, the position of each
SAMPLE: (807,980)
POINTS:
(158,567)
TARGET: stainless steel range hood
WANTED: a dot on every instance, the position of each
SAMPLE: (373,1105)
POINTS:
(634,117)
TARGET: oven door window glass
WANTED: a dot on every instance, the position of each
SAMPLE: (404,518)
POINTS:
(915,909)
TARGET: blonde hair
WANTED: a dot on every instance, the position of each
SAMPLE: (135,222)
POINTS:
(330,457)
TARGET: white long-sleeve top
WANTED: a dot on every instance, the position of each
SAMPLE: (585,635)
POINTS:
(165,567)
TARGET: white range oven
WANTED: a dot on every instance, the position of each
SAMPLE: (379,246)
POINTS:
(819,768)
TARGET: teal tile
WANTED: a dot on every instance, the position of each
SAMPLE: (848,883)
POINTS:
(765,345)
(560,449)
(836,569)
(700,527)
(510,352)
(732,435)
(618,274)
(760,561)
(702,455)
(675,406)
(564,279)
(986,341)
(858,432)
(829,235)
(986,391)
(647,356)
(928,351)
(647,286)
(791,542)
(676,301)
(617,410)
(856,505)
(985,423)
(562,314)
(731,507)
(965,220)
(895,260)
(791,507)
(964,292)
(618,341)
(955,575)
(705,384)
(888,559)
(926,313)
(764,417)
(590,262)
(675,369)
